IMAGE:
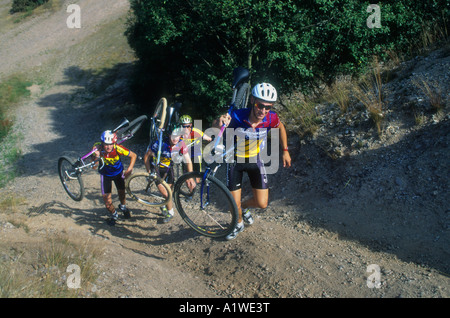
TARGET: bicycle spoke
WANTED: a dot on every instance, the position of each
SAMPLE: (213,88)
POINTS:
(70,179)
(148,190)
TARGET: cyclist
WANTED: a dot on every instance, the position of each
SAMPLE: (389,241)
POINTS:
(113,170)
(192,137)
(253,120)
(170,148)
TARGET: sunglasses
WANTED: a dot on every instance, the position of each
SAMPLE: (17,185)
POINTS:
(262,106)
(186,126)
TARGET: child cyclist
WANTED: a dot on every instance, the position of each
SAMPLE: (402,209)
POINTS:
(170,148)
(113,170)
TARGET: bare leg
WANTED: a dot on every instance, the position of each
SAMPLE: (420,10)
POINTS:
(163,191)
(122,197)
(260,199)
(108,203)
(236,194)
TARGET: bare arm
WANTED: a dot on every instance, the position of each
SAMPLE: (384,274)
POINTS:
(147,158)
(284,145)
(187,159)
(133,158)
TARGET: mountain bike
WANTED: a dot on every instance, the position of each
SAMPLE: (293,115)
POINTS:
(70,172)
(210,208)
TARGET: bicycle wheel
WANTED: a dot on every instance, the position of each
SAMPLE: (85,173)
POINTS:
(132,127)
(143,187)
(178,171)
(157,121)
(242,96)
(70,178)
(209,209)
(173,118)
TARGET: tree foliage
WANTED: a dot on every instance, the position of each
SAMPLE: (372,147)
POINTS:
(190,47)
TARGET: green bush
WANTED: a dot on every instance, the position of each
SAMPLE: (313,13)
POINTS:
(25,5)
(190,47)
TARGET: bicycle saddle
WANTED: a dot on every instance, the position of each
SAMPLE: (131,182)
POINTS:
(240,75)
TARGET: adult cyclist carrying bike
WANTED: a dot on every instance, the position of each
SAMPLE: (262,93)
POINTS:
(112,170)
(255,121)
(193,139)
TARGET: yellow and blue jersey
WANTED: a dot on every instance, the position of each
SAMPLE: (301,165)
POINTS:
(112,163)
(167,151)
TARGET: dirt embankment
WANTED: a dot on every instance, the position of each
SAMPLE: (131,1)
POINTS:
(328,220)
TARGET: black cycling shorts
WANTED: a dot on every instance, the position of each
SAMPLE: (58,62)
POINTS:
(256,173)
(166,174)
(106,183)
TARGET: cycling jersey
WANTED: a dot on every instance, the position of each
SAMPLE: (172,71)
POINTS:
(250,141)
(167,151)
(112,164)
(193,140)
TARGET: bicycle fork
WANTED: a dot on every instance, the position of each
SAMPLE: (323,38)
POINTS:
(202,189)
(207,173)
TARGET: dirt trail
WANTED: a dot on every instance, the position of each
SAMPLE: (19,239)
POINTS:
(328,220)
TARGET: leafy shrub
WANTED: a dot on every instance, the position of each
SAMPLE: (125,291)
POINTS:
(190,47)
(25,5)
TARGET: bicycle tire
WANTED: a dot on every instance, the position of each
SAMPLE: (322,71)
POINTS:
(218,218)
(242,96)
(178,171)
(173,118)
(143,188)
(132,127)
(71,179)
(158,119)
(160,113)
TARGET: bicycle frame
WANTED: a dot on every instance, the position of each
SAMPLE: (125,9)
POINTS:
(84,165)
(172,110)
(240,75)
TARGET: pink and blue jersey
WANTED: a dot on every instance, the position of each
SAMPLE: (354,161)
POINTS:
(251,140)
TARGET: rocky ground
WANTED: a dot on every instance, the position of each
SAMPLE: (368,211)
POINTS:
(351,198)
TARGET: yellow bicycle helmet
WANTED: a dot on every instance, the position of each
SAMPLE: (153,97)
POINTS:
(185,119)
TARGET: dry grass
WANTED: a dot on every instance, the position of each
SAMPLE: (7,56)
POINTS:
(339,93)
(300,116)
(40,269)
(369,91)
(432,91)
(32,266)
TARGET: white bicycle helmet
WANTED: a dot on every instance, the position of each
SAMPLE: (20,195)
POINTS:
(265,92)
(108,137)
